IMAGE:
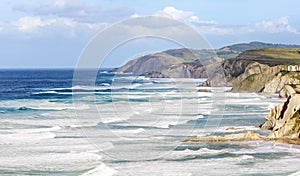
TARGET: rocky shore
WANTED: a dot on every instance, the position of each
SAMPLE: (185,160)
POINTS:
(283,121)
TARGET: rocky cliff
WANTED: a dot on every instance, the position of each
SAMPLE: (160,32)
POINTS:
(172,63)
(148,63)
(262,70)
(284,119)
(235,66)
(185,70)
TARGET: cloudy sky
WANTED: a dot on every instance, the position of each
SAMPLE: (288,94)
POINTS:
(53,33)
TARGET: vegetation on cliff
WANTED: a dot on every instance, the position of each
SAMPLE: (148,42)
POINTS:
(260,70)
(190,63)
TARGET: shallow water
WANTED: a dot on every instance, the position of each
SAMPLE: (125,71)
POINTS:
(130,125)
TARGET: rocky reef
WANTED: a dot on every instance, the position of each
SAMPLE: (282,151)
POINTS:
(283,121)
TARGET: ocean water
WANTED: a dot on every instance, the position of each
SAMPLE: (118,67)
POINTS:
(128,124)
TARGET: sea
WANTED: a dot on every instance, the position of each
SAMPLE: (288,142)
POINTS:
(131,125)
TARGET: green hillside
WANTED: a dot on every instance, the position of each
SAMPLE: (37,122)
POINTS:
(241,47)
(272,56)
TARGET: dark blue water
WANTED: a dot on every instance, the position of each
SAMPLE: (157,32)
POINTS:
(22,84)
(29,84)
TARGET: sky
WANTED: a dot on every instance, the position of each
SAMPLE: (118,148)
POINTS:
(54,33)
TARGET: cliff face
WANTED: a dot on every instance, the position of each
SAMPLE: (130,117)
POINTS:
(260,71)
(185,70)
(148,63)
(284,119)
(225,67)
(176,63)
(233,71)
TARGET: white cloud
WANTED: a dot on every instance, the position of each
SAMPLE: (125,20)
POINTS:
(36,26)
(212,28)
(204,26)
(30,24)
(76,18)
(275,26)
(135,15)
(62,18)
(1,27)
(76,10)
(216,30)
(185,16)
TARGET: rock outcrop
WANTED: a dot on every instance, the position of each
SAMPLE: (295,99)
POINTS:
(185,70)
(283,121)
(156,74)
(263,70)
(287,91)
(248,136)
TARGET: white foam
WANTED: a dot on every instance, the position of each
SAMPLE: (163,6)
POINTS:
(36,130)
(230,129)
(46,92)
(204,94)
(246,157)
(246,101)
(41,105)
(18,138)
(100,170)
(127,131)
(28,150)
(240,95)
(70,161)
(271,105)
(297,173)
(105,84)
(187,152)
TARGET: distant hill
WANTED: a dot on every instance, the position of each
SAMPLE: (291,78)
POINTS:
(190,63)
(256,45)
(170,58)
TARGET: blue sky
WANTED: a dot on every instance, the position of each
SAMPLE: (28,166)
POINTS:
(53,33)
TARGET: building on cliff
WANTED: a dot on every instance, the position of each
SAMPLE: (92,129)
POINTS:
(293,68)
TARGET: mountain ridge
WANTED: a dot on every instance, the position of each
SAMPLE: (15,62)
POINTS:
(185,62)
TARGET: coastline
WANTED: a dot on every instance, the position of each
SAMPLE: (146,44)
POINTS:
(283,123)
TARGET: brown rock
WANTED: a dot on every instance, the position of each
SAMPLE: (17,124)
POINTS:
(291,129)
(272,118)
(286,91)
(284,119)
(248,136)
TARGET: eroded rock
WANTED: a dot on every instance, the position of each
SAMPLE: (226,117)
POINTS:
(283,121)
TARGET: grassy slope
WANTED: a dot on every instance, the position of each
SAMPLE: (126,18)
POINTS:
(241,47)
(272,56)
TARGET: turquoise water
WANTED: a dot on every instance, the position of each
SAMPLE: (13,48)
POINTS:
(130,125)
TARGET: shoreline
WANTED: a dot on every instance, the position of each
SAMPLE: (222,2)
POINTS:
(283,123)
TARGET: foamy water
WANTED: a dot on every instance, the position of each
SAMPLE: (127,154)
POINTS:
(134,126)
